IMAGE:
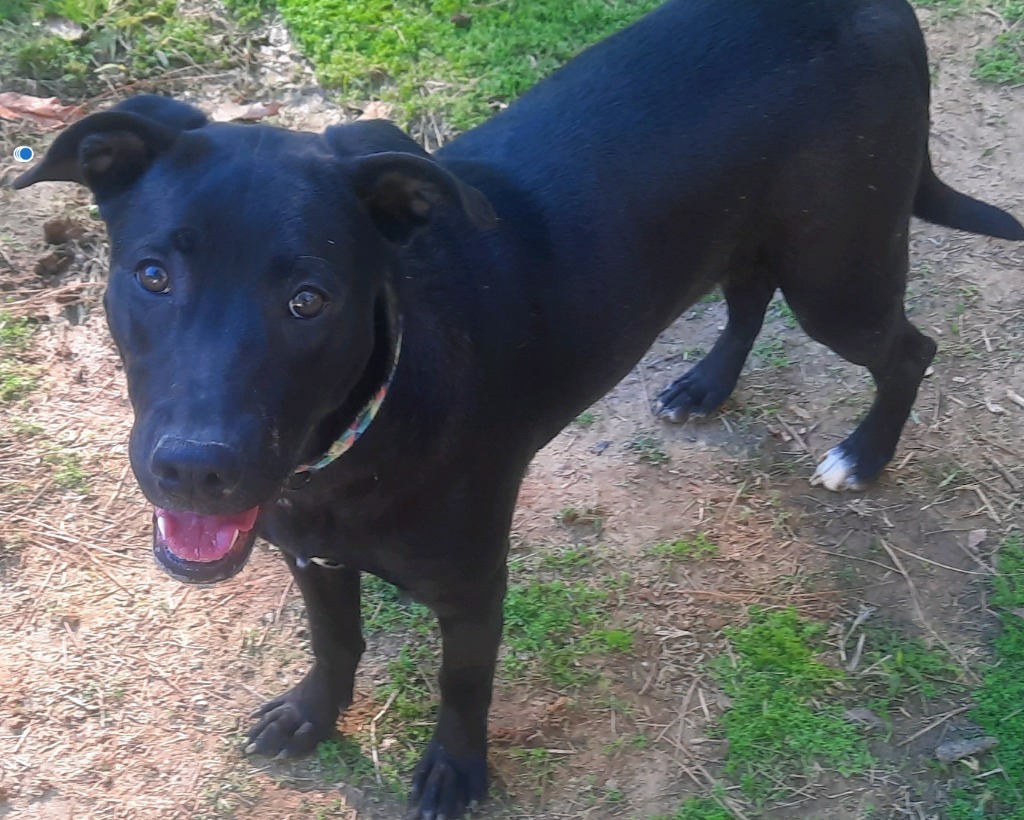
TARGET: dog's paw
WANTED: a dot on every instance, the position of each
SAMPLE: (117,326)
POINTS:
(695,393)
(444,787)
(837,472)
(291,725)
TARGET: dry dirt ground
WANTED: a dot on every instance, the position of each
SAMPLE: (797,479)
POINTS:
(123,694)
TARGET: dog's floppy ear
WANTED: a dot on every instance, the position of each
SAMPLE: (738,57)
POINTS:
(403,191)
(398,182)
(110,150)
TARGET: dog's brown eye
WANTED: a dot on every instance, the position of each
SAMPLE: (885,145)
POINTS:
(153,277)
(306,304)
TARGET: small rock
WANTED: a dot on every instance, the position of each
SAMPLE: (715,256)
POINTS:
(67,30)
(715,622)
(865,717)
(462,20)
(956,750)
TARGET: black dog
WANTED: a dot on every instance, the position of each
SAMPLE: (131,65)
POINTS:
(281,297)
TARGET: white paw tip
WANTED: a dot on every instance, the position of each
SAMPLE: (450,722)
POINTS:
(836,472)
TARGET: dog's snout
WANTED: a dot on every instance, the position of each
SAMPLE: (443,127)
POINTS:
(196,474)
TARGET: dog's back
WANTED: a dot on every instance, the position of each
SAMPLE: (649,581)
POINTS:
(695,141)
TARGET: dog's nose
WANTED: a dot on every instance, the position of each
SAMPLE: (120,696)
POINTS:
(195,473)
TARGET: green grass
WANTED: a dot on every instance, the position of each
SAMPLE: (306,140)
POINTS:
(771,352)
(538,767)
(68,472)
(567,559)
(781,722)
(586,419)
(700,808)
(554,629)
(696,548)
(1000,703)
(16,378)
(459,58)
(648,449)
(121,40)
(779,309)
(408,722)
(942,5)
(903,667)
(1003,61)
(551,627)
(386,610)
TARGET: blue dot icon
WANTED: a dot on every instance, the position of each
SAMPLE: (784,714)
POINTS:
(23,153)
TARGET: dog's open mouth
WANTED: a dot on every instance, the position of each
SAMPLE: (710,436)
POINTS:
(202,549)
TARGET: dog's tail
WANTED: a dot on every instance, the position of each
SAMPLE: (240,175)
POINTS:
(937,202)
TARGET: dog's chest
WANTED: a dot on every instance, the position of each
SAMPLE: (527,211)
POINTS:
(329,536)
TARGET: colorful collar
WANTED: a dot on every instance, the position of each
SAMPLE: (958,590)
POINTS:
(359,426)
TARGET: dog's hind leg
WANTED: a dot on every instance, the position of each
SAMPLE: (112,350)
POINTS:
(859,314)
(703,388)
(294,723)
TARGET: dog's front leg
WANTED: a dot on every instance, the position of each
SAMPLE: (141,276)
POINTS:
(452,775)
(291,725)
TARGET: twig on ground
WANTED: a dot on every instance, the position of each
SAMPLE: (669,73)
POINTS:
(935,724)
(373,736)
(936,563)
(916,601)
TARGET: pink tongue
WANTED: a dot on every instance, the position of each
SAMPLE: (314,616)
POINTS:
(203,538)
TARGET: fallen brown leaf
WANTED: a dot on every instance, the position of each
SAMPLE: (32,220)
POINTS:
(233,112)
(377,110)
(47,112)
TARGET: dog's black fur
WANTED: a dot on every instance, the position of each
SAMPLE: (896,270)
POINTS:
(752,144)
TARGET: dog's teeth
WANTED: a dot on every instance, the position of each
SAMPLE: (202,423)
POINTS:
(161,527)
(234,539)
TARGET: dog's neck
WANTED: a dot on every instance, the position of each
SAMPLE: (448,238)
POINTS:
(391,332)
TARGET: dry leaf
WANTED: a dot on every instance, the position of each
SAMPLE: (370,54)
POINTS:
(47,112)
(233,112)
(377,110)
(975,537)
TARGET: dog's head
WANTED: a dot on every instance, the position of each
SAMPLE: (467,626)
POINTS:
(248,297)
